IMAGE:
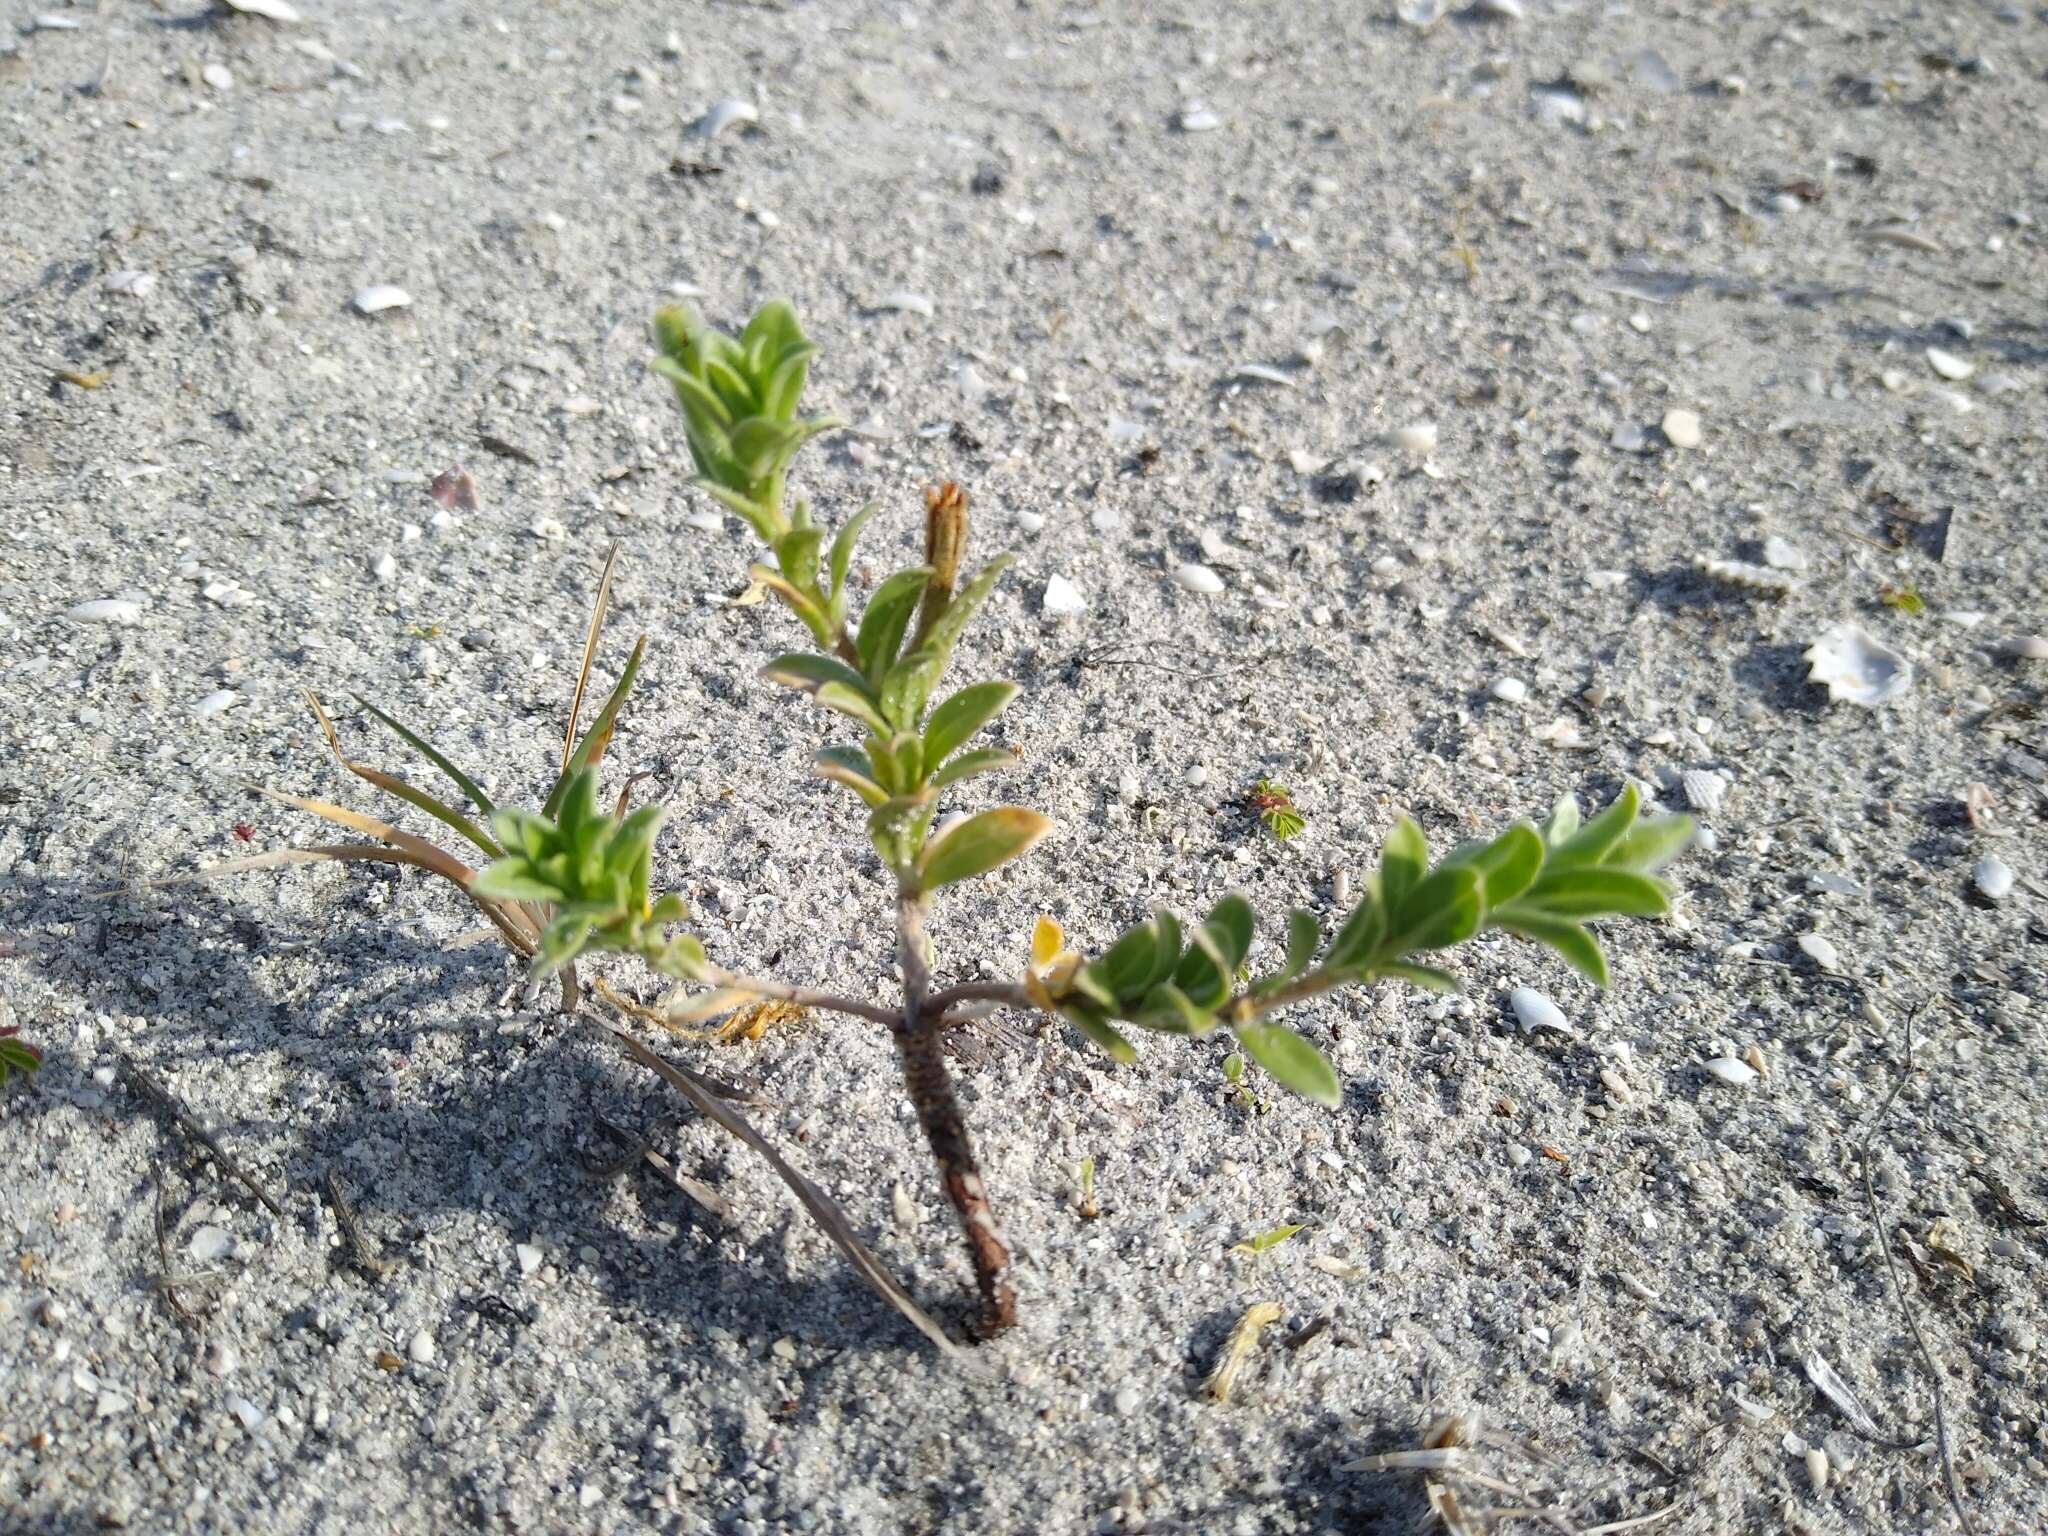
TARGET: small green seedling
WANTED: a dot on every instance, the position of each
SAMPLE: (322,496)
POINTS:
(1240,1094)
(1252,1247)
(16,1054)
(1088,1210)
(1276,808)
(573,880)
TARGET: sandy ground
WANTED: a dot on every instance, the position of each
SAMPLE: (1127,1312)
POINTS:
(1037,242)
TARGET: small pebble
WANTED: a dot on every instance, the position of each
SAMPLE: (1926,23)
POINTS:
(1418,438)
(222,1357)
(1733,1071)
(106,610)
(1817,1467)
(1782,555)
(1992,878)
(1126,1399)
(421,1349)
(1681,429)
(134,285)
(250,1416)
(1062,600)
(1031,522)
(529,1257)
(208,1244)
(1948,365)
(218,76)
(2021,647)
(214,703)
(1509,690)
(1199,119)
(385,566)
(1820,950)
(1197,578)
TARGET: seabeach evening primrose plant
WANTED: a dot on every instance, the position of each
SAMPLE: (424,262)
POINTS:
(573,879)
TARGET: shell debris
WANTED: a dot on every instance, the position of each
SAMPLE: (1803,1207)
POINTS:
(378,297)
(1062,599)
(721,115)
(106,610)
(1857,669)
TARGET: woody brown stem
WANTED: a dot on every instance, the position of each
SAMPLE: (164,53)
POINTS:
(930,1085)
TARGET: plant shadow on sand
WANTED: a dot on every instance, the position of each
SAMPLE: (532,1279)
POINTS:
(321,1081)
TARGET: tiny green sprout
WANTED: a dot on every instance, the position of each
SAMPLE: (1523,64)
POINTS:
(1275,805)
(1088,1210)
(16,1054)
(1233,1068)
(1902,599)
(1265,1241)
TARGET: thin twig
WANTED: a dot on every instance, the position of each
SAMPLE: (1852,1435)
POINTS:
(1884,1244)
(641,1150)
(361,1251)
(1613,1526)
(938,1006)
(184,1120)
(166,1284)
(804,997)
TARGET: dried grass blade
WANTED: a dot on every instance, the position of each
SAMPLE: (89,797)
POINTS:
(426,749)
(590,750)
(597,608)
(391,784)
(820,1206)
(434,857)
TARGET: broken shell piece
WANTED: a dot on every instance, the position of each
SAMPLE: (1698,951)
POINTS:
(1681,429)
(1733,1071)
(1820,949)
(1263,373)
(1992,877)
(106,610)
(1198,119)
(270,10)
(1418,438)
(1534,1011)
(1948,365)
(1740,573)
(1197,578)
(378,297)
(903,301)
(131,284)
(1857,669)
(2024,648)
(1783,555)
(723,115)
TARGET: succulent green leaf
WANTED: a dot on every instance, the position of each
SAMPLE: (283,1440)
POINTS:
(1649,845)
(1170,1011)
(968,764)
(1402,863)
(1291,1061)
(1588,892)
(1101,1031)
(785,386)
(850,766)
(1230,923)
(1127,967)
(979,844)
(1304,933)
(966,712)
(1577,947)
(1358,940)
(1254,1246)
(1445,909)
(857,703)
(1507,866)
(512,879)
(905,687)
(1594,841)
(886,619)
(797,553)
(840,561)
(809,671)
(1562,822)
(1205,972)
(946,630)
(1165,949)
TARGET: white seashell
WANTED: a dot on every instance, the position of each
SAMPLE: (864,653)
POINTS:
(1557,108)
(1534,1011)
(218,76)
(378,297)
(1199,119)
(1418,438)
(582,405)
(1105,520)
(50,22)
(1948,365)
(529,1257)
(1681,428)
(270,10)
(1820,949)
(1733,1071)
(1902,235)
(722,115)
(1302,462)
(208,1244)
(1031,522)
(1857,669)
(132,284)
(421,1348)
(1262,373)
(1121,429)
(1895,380)
(1421,13)
(706,520)
(385,566)
(1740,573)
(1992,878)
(1817,1467)
(1560,733)
(1197,578)
(904,301)
(214,703)
(247,1414)
(1509,690)
(2021,647)
(1781,555)
(106,610)
(1061,600)
(549,528)
(1703,791)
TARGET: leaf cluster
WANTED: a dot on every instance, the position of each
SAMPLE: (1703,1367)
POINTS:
(1539,883)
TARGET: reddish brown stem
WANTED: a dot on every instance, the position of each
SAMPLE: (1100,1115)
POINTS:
(930,1085)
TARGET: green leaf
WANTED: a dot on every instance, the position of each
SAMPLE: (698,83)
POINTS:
(1359,938)
(1507,866)
(1230,923)
(1427,977)
(1576,946)
(1445,909)
(1171,1011)
(17,1055)
(560,942)
(1562,821)
(797,553)
(591,747)
(1165,949)
(1599,892)
(905,687)
(856,703)
(1205,973)
(1102,1032)
(1304,933)
(773,329)
(1291,1061)
(513,879)
(785,386)
(887,617)
(1597,838)
(1126,967)
(979,844)
(1650,845)
(808,671)
(946,630)
(735,390)
(425,749)
(966,712)
(841,558)
(1254,1246)
(968,764)
(1402,862)
(849,766)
